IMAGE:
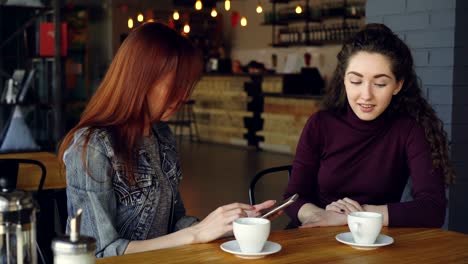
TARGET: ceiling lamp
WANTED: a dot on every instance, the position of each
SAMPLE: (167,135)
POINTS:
(198,5)
(259,9)
(186,29)
(227,5)
(175,15)
(130,23)
(140,17)
(243,21)
(214,13)
(298,9)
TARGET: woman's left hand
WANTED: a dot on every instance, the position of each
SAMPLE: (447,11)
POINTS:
(344,206)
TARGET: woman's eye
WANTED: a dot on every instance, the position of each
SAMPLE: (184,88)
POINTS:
(380,84)
(355,82)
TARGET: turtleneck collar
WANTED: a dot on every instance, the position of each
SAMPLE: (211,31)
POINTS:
(357,123)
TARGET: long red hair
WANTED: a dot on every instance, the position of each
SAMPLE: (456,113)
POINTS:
(120,105)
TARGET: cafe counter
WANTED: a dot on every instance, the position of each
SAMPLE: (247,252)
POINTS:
(251,111)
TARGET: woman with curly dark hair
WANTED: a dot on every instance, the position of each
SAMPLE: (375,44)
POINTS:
(376,130)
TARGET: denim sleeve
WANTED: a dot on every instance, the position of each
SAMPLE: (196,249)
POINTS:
(91,189)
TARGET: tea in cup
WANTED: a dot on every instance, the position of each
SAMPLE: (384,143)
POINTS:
(251,233)
(365,226)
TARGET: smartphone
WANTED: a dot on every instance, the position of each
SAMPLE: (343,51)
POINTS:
(282,205)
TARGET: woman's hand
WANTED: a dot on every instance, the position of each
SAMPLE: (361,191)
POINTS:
(325,218)
(344,206)
(263,206)
(219,222)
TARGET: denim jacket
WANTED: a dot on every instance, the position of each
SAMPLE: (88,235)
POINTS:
(115,211)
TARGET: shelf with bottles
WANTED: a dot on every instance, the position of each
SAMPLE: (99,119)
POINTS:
(288,15)
(326,9)
(315,34)
(317,23)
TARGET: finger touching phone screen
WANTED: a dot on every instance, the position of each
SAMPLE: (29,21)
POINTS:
(281,205)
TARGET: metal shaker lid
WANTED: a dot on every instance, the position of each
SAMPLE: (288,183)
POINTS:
(74,244)
(64,246)
(16,200)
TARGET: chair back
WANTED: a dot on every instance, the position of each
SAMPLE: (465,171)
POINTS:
(260,174)
(271,187)
(9,172)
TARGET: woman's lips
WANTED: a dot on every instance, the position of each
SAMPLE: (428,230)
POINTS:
(366,108)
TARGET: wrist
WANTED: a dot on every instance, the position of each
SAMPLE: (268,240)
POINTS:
(308,211)
(371,208)
(192,234)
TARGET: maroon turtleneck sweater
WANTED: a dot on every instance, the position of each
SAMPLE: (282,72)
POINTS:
(369,162)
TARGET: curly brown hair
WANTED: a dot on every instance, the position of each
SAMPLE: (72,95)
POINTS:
(378,38)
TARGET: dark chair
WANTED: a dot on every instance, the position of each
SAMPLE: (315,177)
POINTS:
(260,174)
(10,167)
(283,222)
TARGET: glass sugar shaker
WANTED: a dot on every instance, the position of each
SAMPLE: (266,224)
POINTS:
(74,249)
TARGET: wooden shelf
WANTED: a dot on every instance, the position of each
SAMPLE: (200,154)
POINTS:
(274,23)
(295,96)
(280,45)
(280,1)
(310,43)
(285,22)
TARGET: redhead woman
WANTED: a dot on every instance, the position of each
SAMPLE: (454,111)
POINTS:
(121,163)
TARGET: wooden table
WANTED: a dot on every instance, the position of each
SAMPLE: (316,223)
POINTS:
(318,245)
(29,175)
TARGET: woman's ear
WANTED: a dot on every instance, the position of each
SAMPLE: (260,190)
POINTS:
(399,86)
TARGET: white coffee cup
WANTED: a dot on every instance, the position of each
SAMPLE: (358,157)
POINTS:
(251,233)
(365,226)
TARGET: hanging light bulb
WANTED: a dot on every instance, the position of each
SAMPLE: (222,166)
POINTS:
(186,29)
(298,9)
(140,17)
(243,21)
(130,23)
(227,5)
(214,13)
(259,9)
(198,5)
(175,15)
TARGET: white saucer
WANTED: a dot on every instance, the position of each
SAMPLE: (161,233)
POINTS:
(347,238)
(233,248)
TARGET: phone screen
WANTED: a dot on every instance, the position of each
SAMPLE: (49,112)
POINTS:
(282,205)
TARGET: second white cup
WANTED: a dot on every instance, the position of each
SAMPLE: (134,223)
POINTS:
(365,226)
(251,233)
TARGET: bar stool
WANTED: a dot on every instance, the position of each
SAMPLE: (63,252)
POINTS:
(185,117)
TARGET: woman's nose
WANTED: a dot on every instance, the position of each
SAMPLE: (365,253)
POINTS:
(366,92)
